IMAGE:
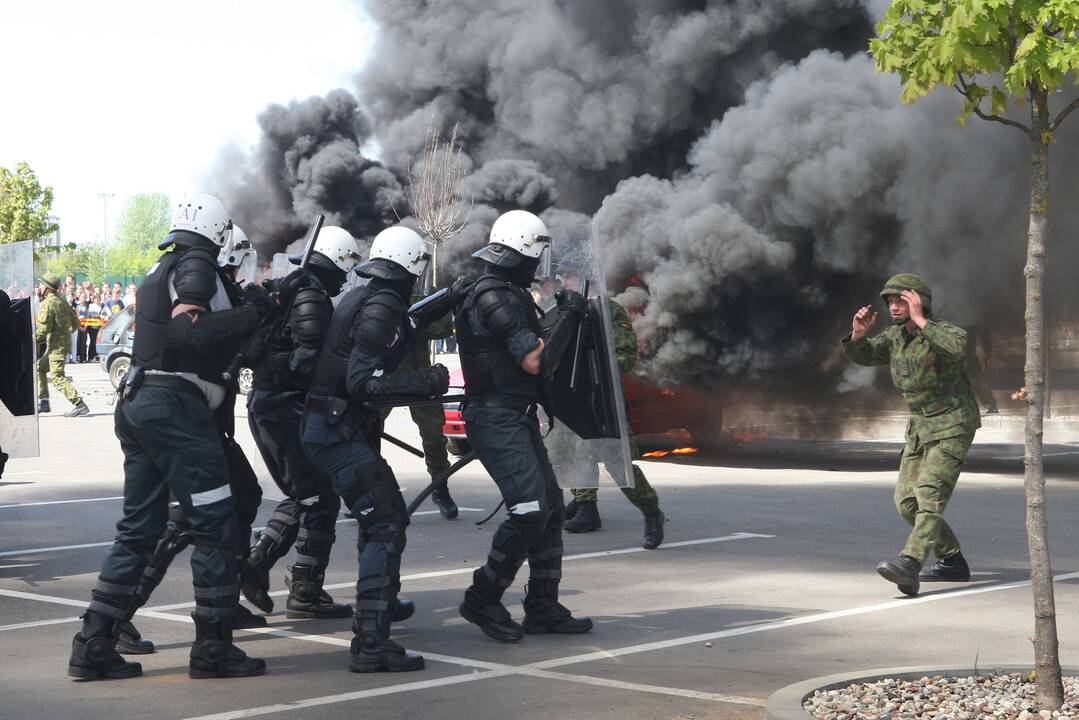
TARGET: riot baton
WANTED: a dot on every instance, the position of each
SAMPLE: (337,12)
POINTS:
(440,480)
(577,347)
(401,444)
(257,340)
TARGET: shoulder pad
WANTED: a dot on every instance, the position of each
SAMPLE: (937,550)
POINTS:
(497,309)
(195,277)
(378,321)
(310,316)
(309,295)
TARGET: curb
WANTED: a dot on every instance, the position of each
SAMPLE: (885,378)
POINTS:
(786,703)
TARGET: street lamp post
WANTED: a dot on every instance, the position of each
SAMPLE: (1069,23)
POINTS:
(105,233)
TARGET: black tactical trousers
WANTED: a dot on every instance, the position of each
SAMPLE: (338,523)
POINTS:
(309,511)
(509,444)
(369,489)
(171,444)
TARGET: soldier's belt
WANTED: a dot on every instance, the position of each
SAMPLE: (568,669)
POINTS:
(506,403)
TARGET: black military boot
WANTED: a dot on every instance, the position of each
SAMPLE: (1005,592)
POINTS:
(953,568)
(544,614)
(79,409)
(129,641)
(307,599)
(571,508)
(93,652)
(43,406)
(903,572)
(653,529)
(255,580)
(372,649)
(214,656)
(245,619)
(483,606)
(447,508)
(585,519)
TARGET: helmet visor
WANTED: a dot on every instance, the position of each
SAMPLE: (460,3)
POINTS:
(543,267)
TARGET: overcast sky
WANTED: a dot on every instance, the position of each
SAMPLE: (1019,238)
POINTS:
(134,96)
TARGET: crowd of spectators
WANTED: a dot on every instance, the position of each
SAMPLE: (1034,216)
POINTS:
(95,305)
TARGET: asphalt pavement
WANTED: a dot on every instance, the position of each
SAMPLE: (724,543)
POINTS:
(766,578)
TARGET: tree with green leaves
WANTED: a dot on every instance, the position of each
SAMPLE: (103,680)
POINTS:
(143,224)
(24,206)
(1000,54)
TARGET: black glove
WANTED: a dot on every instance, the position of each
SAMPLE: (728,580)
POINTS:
(460,287)
(437,379)
(286,288)
(256,295)
(571,303)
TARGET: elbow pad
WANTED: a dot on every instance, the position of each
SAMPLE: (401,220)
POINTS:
(559,342)
(439,303)
(213,332)
(310,318)
(428,383)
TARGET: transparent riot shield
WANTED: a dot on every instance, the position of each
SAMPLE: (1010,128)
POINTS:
(18,409)
(588,441)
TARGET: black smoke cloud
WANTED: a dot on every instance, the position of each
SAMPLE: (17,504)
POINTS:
(309,160)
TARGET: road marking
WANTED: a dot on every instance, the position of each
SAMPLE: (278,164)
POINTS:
(60,548)
(38,623)
(1044,455)
(639,687)
(61,502)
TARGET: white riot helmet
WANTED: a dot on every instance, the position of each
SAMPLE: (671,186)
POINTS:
(397,253)
(338,246)
(239,255)
(518,238)
(203,215)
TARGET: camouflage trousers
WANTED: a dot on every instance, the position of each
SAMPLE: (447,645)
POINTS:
(927,476)
(642,494)
(429,420)
(50,366)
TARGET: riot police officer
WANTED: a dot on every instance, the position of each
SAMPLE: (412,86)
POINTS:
(507,360)
(368,335)
(189,330)
(308,514)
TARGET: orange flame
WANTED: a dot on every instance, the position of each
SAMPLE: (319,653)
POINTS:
(676,451)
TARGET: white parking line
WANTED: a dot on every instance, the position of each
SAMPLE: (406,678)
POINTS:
(61,502)
(61,548)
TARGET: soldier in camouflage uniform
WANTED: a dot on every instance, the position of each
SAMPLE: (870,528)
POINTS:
(929,368)
(431,417)
(56,320)
(583,513)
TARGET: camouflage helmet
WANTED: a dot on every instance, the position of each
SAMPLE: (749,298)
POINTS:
(52,280)
(909,281)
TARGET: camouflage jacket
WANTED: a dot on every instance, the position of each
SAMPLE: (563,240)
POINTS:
(56,320)
(625,340)
(418,356)
(929,368)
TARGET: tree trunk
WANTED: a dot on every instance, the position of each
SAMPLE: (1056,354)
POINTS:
(1050,690)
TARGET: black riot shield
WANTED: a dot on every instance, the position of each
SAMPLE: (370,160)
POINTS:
(588,441)
(18,419)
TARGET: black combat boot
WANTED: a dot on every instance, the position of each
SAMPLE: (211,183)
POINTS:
(544,614)
(93,652)
(214,656)
(79,409)
(903,572)
(953,568)
(585,519)
(653,529)
(447,508)
(245,619)
(255,581)
(372,649)
(307,599)
(129,641)
(571,508)
(43,406)
(483,606)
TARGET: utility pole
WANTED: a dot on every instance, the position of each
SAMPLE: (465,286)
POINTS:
(105,233)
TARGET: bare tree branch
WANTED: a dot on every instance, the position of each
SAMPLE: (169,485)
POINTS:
(1063,114)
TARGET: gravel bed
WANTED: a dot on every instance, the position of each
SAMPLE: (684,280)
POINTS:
(941,697)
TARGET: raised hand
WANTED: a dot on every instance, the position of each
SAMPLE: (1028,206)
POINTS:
(863,322)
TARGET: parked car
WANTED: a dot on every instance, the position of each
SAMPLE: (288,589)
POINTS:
(652,411)
(114,343)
